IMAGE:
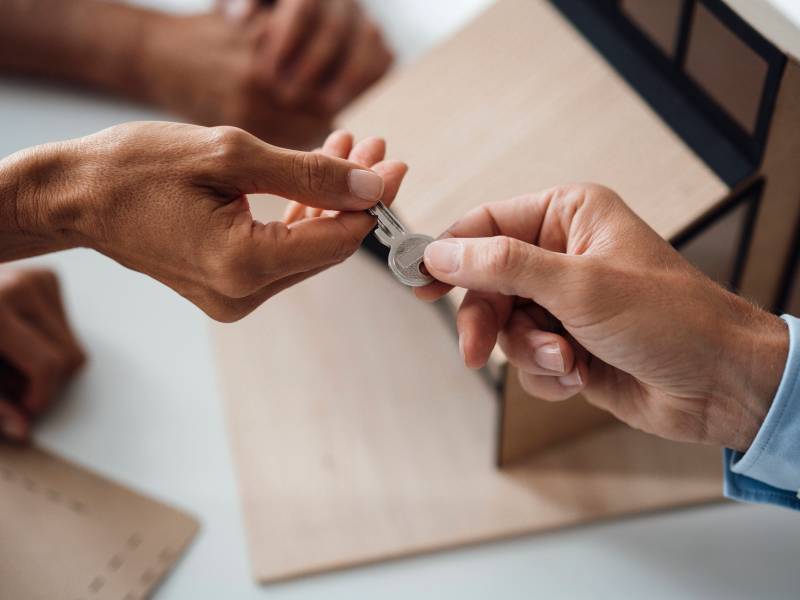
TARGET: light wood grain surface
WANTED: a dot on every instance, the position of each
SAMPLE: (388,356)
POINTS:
(518,102)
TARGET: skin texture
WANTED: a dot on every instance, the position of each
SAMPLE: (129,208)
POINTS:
(584,297)
(38,348)
(190,228)
(280,72)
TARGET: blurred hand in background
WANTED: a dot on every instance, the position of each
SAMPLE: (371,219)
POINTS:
(315,53)
(39,352)
(584,297)
(279,70)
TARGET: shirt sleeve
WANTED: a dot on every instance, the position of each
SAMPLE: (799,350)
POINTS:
(769,472)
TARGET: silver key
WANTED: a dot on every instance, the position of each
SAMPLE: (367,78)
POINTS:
(406,250)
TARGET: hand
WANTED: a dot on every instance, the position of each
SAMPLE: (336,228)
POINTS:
(280,73)
(585,297)
(324,52)
(169,200)
(38,350)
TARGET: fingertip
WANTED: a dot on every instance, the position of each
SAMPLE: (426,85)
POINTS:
(368,151)
(392,165)
(576,379)
(373,141)
(433,291)
(547,387)
(339,143)
(293,212)
(393,173)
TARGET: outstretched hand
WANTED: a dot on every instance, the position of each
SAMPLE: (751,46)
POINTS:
(170,201)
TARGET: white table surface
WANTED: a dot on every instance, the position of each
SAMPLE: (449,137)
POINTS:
(147,412)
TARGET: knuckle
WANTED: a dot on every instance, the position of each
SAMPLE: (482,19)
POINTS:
(587,193)
(601,195)
(501,256)
(310,173)
(227,142)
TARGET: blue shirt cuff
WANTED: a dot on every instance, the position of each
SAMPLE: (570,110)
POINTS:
(745,489)
(772,463)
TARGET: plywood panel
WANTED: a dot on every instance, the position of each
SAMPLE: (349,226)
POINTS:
(529,425)
(67,533)
(359,436)
(518,102)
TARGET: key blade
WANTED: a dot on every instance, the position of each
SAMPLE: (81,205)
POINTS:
(386,219)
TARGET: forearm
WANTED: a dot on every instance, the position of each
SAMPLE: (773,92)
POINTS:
(93,42)
(42,192)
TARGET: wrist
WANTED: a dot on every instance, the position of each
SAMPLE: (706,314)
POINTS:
(755,352)
(42,204)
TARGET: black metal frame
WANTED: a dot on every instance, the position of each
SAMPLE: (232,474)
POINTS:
(749,195)
(703,124)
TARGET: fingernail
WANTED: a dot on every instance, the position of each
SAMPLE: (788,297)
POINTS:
(13,429)
(549,357)
(461,347)
(366,185)
(571,379)
(444,256)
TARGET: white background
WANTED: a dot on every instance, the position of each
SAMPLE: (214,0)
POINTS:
(147,412)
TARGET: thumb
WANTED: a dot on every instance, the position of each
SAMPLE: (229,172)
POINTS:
(498,264)
(315,179)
